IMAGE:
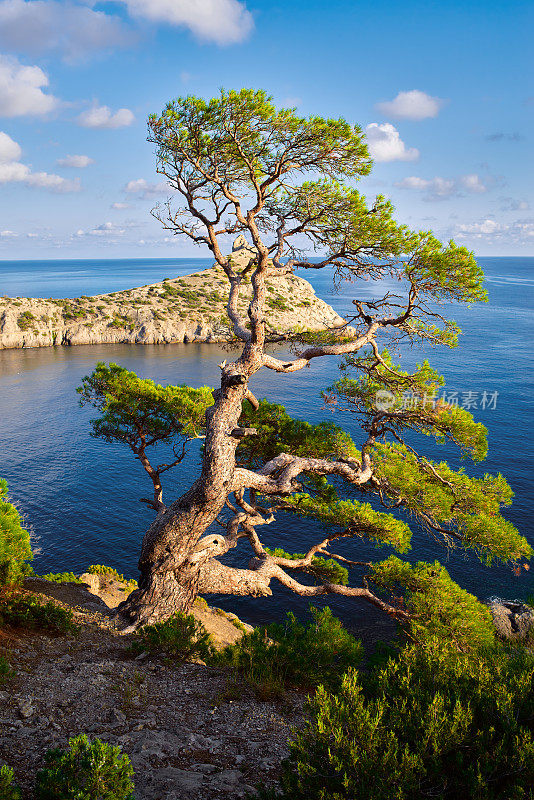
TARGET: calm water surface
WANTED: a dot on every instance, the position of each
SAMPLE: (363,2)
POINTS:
(80,496)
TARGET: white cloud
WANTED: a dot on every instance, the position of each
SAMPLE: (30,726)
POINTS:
(487,226)
(104,117)
(521,230)
(9,150)
(220,21)
(8,234)
(79,162)
(21,90)
(473,184)
(14,171)
(441,188)
(106,229)
(412,105)
(39,26)
(385,144)
(145,189)
(120,206)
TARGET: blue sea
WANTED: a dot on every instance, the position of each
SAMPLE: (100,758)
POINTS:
(79,496)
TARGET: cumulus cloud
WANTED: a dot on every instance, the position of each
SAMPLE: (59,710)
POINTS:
(144,189)
(120,206)
(12,170)
(106,229)
(516,232)
(473,183)
(75,31)
(9,149)
(385,144)
(220,21)
(22,90)
(104,117)
(441,188)
(78,162)
(412,105)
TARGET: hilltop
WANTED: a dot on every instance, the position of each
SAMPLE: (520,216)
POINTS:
(187,309)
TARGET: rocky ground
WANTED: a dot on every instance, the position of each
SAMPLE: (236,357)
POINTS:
(189,309)
(187,731)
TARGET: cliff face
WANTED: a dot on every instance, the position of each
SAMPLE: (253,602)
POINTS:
(189,309)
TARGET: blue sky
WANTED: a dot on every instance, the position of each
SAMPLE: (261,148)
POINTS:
(443,90)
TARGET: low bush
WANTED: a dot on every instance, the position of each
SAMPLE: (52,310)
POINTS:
(15,549)
(278,657)
(27,611)
(111,572)
(61,577)
(432,722)
(85,771)
(6,670)
(181,636)
(25,320)
(8,791)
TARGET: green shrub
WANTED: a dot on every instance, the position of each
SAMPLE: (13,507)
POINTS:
(7,790)
(292,655)
(15,549)
(180,636)
(25,320)
(101,569)
(6,670)
(431,722)
(86,771)
(61,577)
(26,611)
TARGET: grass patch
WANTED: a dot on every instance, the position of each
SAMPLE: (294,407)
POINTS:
(6,672)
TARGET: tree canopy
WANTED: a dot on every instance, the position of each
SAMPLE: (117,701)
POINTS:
(237,165)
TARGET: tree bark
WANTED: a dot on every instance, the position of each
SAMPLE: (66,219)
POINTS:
(168,563)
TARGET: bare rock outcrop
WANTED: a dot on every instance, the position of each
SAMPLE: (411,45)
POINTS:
(512,620)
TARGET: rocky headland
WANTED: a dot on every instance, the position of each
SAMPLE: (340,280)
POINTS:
(188,309)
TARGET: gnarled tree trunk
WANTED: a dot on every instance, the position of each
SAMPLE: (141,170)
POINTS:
(170,561)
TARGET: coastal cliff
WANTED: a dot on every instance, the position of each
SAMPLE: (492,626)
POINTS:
(188,309)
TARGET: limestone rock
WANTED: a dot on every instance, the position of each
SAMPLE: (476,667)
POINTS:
(512,620)
(181,310)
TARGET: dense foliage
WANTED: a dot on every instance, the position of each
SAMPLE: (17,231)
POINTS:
(293,655)
(15,548)
(432,722)
(85,771)
(136,410)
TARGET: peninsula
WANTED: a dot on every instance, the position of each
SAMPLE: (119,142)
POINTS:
(187,309)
